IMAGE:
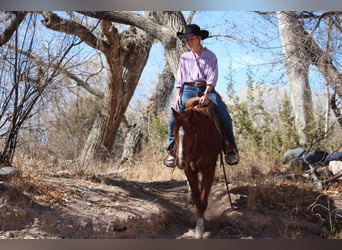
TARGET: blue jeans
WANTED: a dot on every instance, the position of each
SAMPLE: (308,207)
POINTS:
(220,108)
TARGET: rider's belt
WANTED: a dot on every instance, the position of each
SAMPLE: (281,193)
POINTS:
(196,84)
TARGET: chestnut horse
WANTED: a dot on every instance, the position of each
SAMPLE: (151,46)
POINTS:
(197,144)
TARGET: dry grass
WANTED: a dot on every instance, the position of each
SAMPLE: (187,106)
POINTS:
(147,167)
(150,168)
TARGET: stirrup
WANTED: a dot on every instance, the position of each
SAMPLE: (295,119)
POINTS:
(232,158)
(167,162)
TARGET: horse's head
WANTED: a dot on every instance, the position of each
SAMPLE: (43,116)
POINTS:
(184,136)
(192,128)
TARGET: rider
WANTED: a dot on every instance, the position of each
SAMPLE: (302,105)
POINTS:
(198,71)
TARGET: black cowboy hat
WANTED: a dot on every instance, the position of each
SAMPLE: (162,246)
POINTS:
(193,30)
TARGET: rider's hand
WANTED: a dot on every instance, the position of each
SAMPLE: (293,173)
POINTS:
(204,99)
(177,102)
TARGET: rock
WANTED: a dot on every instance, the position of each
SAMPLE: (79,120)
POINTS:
(293,154)
(313,158)
(316,156)
(336,156)
(3,186)
(336,168)
(7,172)
(9,235)
(300,160)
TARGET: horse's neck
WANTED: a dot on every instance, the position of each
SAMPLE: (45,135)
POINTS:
(214,122)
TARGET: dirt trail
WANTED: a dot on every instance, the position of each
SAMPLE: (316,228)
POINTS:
(106,207)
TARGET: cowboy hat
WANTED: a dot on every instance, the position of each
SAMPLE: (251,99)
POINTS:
(193,30)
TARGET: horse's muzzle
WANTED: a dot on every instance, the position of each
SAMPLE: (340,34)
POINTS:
(180,164)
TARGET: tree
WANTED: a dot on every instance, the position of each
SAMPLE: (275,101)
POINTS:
(297,65)
(162,25)
(161,94)
(14,19)
(126,54)
(8,126)
(23,81)
(301,51)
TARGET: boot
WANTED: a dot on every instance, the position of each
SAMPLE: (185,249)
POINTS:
(232,158)
(231,155)
(170,159)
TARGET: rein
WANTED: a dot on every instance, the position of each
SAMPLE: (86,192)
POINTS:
(194,146)
(226,179)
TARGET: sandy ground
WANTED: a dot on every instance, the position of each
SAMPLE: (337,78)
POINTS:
(108,207)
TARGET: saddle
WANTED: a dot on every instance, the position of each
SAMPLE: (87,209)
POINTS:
(193,102)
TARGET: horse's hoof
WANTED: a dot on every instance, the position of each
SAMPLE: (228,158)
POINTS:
(199,228)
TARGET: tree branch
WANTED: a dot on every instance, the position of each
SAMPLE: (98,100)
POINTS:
(12,27)
(70,75)
(156,30)
(54,22)
(110,32)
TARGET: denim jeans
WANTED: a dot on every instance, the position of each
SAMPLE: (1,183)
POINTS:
(220,108)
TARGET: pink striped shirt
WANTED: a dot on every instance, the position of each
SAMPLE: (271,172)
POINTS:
(188,71)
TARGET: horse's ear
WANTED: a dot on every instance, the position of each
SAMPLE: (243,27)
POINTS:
(174,112)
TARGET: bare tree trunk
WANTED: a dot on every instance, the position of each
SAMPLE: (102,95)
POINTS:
(160,98)
(327,110)
(126,54)
(293,38)
(133,143)
(335,109)
(126,62)
(93,142)
(301,50)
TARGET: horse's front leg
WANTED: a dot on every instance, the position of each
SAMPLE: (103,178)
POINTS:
(199,228)
(195,192)
(193,184)
(206,183)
